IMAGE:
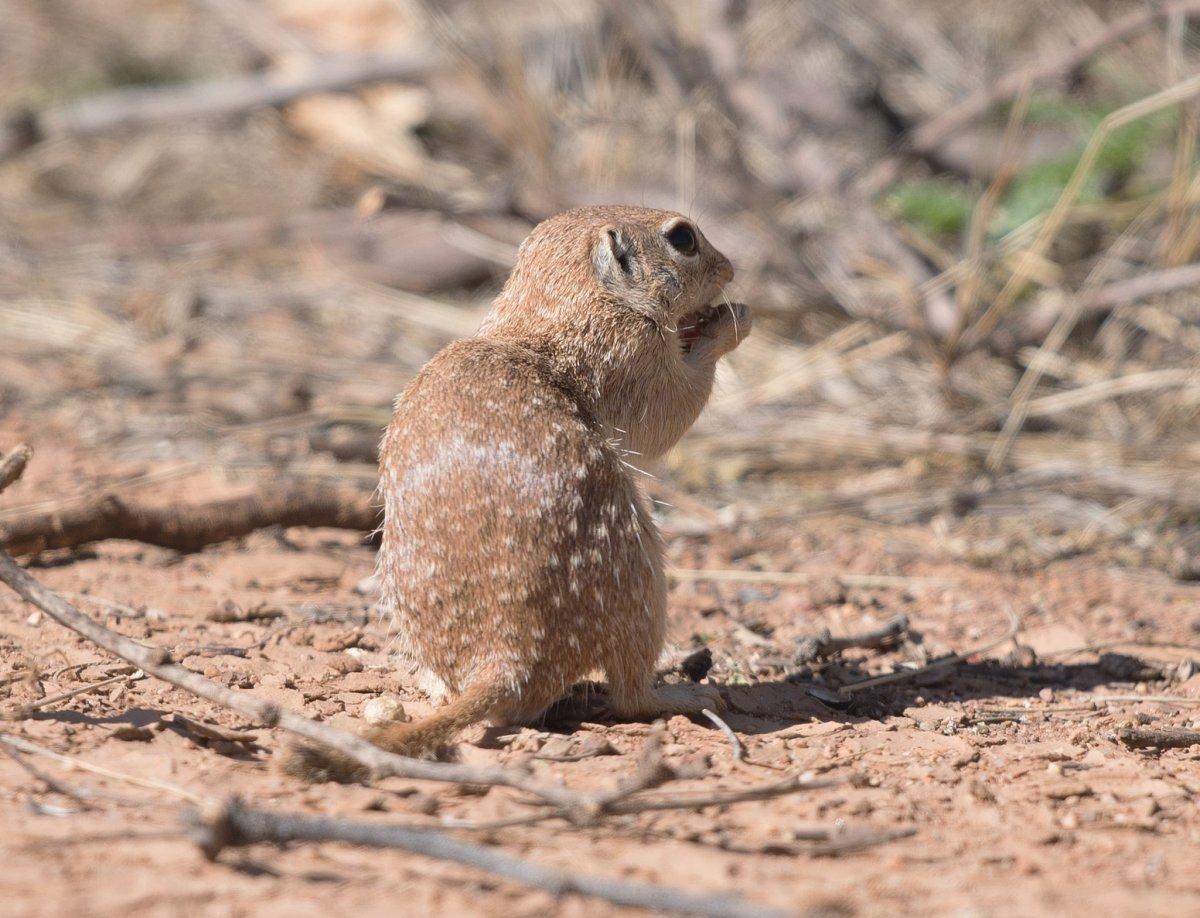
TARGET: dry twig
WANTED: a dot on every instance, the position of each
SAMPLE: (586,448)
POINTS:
(234,825)
(190,528)
(1160,738)
(26,710)
(739,751)
(134,108)
(823,645)
(955,659)
(24,745)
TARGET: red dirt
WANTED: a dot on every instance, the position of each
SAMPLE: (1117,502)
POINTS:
(1007,816)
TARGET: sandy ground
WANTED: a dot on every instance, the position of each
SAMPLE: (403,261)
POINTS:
(1036,810)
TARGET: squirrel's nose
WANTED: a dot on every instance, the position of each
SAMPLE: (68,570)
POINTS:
(723,271)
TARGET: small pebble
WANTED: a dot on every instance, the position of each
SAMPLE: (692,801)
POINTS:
(384,709)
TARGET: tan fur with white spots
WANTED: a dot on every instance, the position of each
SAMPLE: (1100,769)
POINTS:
(518,554)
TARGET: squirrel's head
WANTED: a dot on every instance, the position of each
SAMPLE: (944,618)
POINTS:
(632,300)
(644,267)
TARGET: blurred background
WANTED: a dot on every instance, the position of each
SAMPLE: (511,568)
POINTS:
(231,230)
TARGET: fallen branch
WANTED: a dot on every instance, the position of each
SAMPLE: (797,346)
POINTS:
(1162,738)
(215,827)
(954,659)
(235,825)
(140,107)
(190,527)
(824,645)
(52,783)
(933,133)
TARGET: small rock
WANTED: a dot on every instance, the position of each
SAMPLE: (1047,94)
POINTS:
(371,683)
(695,666)
(340,641)
(132,734)
(1146,808)
(963,759)
(557,747)
(981,792)
(826,591)
(344,664)
(384,709)
(368,586)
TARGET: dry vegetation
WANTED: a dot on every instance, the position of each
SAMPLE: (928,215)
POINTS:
(938,529)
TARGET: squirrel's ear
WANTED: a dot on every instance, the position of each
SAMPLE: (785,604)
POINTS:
(613,256)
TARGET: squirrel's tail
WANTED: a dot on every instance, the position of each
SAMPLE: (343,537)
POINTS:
(424,737)
(419,739)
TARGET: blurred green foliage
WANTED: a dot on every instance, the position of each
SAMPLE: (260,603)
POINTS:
(118,71)
(941,207)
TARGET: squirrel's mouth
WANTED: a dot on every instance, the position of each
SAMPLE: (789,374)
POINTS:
(702,327)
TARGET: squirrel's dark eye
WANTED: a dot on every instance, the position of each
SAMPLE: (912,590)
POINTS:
(682,238)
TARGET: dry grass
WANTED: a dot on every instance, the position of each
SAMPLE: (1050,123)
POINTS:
(1011,315)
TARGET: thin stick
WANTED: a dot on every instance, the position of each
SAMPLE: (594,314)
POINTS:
(826,645)
(24,745)
(739,751)
(701,799)
(52,783)
(26,710)
(904,675)
(236,826)
(800,578)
